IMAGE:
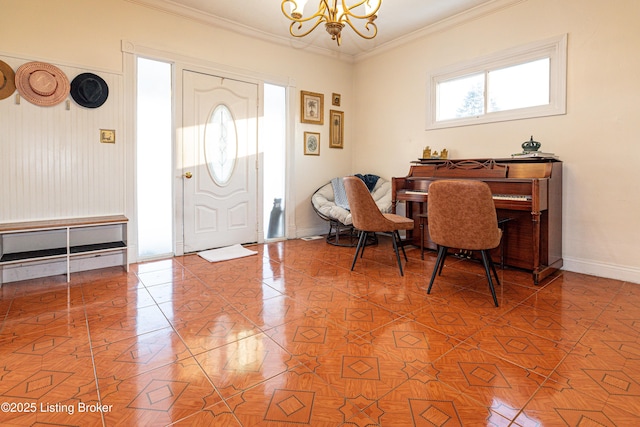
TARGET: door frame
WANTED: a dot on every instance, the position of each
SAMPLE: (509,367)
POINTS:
(179,62)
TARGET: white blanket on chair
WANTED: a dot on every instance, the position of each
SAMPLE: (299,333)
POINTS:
(339,193)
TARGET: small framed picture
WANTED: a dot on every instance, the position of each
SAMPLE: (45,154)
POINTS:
(336,129)
(107,136)
(335,99)
(312,107)
(311,144)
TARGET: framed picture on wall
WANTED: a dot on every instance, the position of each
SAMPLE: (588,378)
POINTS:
(336,129)
(312,107)
(311,144)
(107,136)
(335,99)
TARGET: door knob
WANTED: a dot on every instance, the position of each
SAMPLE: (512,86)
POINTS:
(188,175)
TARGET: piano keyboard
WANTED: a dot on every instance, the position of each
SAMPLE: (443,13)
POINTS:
(516,197)
(520,197)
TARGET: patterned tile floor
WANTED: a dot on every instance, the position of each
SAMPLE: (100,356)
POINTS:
(292,337)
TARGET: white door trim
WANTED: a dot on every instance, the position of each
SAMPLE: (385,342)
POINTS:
(131,50)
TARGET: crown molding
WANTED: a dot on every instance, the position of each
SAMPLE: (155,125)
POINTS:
(474,13)
(170,7)
(461,18)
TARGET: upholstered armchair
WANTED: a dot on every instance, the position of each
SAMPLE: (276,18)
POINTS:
(368,219)
(462,215)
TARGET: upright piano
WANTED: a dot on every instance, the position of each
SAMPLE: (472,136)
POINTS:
(526,191)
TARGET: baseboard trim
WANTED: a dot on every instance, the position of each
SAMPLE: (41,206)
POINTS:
(609,271)
(312,231)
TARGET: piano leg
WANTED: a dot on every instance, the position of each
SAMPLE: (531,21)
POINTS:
(544,271)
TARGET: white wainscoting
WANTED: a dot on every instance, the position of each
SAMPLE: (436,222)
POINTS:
(52,164)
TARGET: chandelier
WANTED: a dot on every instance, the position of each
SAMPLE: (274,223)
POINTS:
(335,14)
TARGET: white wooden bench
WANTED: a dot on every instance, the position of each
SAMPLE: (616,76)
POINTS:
(62,239)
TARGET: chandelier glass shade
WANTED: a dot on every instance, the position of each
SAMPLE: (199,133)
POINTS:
(335,14)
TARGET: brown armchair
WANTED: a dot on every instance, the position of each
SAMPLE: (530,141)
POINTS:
(462,215)
(367,218)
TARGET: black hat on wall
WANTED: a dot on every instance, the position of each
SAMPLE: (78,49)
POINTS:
(89,90)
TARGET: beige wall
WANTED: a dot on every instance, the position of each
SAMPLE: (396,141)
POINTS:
(384,99)
(597,139)
(88,34)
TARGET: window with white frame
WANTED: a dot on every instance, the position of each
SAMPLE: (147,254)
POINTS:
(525,82)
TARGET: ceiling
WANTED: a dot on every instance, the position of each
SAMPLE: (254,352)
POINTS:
(397,19)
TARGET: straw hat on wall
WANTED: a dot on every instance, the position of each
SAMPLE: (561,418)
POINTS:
(7,80)
(42,84)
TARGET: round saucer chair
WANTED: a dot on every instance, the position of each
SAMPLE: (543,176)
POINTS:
(341,230)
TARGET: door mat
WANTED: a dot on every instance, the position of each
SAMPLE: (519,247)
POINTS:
(226,253)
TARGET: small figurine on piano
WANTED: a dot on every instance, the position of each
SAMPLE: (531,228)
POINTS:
(530,149)
(428,154)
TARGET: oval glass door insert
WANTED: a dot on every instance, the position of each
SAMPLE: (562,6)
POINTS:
(221,144)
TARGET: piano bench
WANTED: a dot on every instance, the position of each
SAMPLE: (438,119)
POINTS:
(423,221)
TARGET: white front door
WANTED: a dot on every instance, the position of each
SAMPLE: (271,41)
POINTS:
(220,165)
